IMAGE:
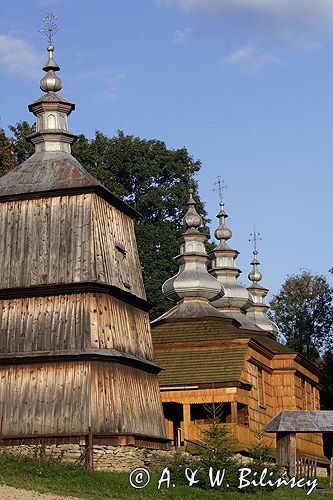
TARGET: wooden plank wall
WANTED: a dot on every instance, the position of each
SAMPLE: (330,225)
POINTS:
(112,228)
(74,321)
(67,239)
(44,398)
(125,399)
(121,326)
(44,323)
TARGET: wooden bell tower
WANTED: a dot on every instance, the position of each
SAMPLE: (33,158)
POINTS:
(76,352)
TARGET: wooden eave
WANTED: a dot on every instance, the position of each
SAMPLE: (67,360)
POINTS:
(101,191)
(87,354)
(195,344)
(238,384)
(260,365)
(73,288)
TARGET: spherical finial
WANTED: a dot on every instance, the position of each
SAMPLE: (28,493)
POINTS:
(255,275)
(50,82)
(222,232)
(192,219)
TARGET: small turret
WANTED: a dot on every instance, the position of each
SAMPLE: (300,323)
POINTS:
(258,312)
(193,288)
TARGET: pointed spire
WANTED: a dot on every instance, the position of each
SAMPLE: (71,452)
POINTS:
(222,232)
(258,311)
(192,219)
(236,298)
(193,279)
(51,82)
(51,110)
(255,275)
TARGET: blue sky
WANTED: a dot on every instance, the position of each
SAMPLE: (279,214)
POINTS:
(244,85)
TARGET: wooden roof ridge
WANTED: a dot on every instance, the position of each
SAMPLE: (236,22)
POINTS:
(301,421)
(55,174)
(192,310)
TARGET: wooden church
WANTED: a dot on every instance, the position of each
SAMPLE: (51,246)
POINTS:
(217,345)
(76,354)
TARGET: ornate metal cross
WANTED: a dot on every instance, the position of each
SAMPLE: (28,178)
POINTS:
(50,26)
(219,187)
(254,237)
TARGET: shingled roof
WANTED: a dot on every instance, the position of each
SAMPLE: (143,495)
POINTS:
(301,421)
(46,172)
(54,172)
(200,366)
(212,329)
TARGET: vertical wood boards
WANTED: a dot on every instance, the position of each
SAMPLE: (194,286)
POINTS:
(67,239)
(44,398)
(74,321)
(126,400)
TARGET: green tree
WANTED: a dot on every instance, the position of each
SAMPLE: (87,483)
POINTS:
(326,395)
(7,158)
(21,147)
(304,313)
(154,180)
(151,178)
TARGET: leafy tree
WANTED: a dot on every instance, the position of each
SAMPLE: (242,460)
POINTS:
(22,149)
(154,180)
(151,178)
(7,159)
(304,313)
(326,395)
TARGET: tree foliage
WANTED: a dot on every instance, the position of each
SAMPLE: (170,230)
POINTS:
(154,180)
(7,159)
(151,178)
(304,313)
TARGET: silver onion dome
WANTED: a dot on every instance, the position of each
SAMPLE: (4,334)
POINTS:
(222,232)
(258,311)
(236,297)
(51,82)
(255,275)
(192,279)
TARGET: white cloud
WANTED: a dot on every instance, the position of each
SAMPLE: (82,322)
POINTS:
(182,36)
(249,59)
(108,83)
(18,57)
(312,13)
(323,7)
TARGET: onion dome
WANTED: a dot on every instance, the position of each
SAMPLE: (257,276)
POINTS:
(51,82)
(258,311)
(51,111)
(236,297)
(193,279)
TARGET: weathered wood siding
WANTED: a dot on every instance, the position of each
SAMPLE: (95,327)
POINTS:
(44,323)
(282,389)
(113,231)
(125,400)
(67,239)
(48,398)
(67,397)
(121,326)
(74,321)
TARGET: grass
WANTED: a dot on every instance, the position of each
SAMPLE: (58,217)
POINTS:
(70,480)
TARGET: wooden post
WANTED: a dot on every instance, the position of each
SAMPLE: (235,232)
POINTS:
(90,449)
(234,419)
(187,420)
(331,474)
(286,451)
